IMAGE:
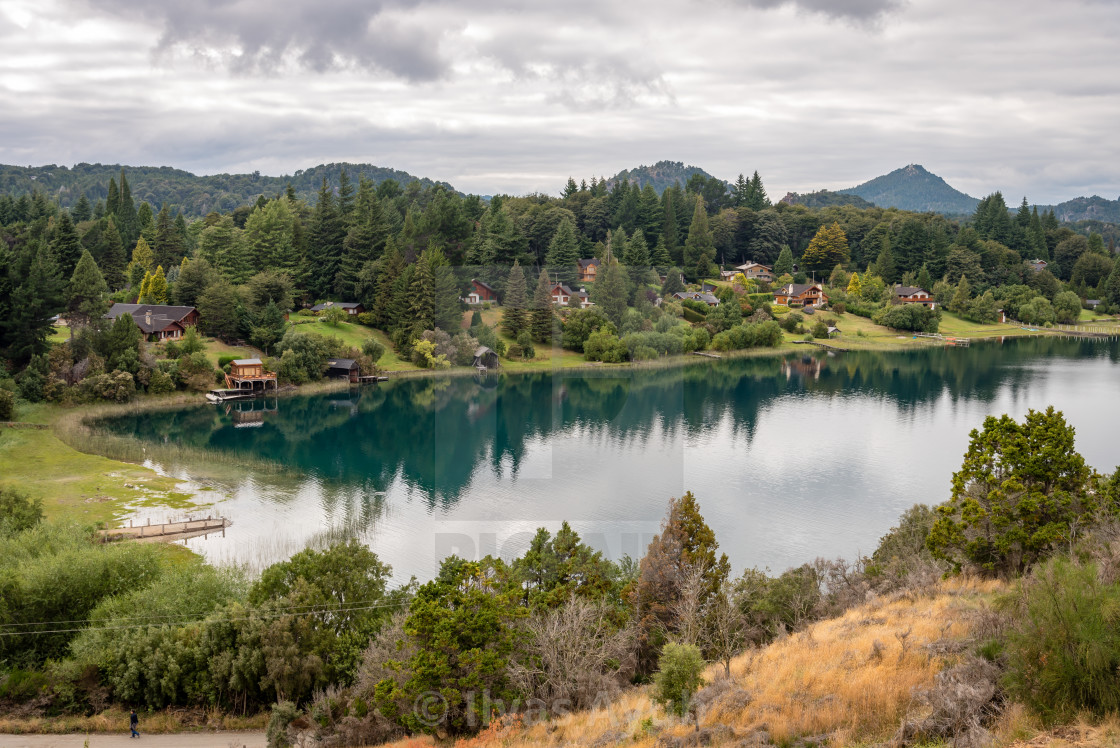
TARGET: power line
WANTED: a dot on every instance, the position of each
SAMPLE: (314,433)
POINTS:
(205,621)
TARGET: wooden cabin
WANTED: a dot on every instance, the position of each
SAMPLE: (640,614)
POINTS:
(247,367)
(250,374)
(481,291)
(484,358)
(801,294)
(353,308)
(914,295)
(343,368)
(588,269)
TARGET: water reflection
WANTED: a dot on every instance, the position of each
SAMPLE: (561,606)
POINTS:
(791,456)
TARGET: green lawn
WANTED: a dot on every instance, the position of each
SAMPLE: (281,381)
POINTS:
(73,485)
(59,334)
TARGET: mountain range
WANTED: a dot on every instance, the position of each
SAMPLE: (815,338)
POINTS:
(910,188)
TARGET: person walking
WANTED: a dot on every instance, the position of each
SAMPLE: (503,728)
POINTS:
(133,721)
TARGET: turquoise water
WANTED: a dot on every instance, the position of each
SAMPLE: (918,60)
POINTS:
(791,458)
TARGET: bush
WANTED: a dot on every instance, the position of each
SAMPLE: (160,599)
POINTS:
(1063,652)
(912,317)
(369,319)
(839,307)
(761,335)
(373,348)
(160,383)
(514,352)
(283,714)
(525,341)
(225,360)
(789,322)
(820,329)
(603,345)
(1067,307)
(7,405)
(334,316)
(18,512)
(1038,311)
(678,677)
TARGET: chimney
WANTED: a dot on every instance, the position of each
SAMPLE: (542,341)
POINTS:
(148,318)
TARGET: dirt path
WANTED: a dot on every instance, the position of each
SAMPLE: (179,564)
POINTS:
(183,740)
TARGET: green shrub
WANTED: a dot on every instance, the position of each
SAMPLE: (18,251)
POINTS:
(1063,652)
(283,714)
(514,352)
(160,383)
(369,319)
(7,405)
(525,341)
(18,512)
(913,317)
(678,677)
(225,360)
(820,329)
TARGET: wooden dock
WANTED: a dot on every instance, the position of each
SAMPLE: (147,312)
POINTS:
(168,531)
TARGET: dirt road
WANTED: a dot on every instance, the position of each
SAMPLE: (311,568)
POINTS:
(183,740)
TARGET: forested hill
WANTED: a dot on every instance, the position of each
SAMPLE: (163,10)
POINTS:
(662,175)
(825,199)
(193,195)
(1093,208)
(914,188)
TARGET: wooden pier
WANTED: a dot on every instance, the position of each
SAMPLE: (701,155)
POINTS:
(168,531)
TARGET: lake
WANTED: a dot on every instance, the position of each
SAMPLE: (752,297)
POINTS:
(791,458)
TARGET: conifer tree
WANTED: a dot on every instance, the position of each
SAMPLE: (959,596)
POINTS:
(82,210)
(168,246)
(113,200)
(515,304)
(884,263)
(672,283)
(784,263)
(268,237)
(422,293)
(142,293)
(669,231)
(345,197)
(962,297)
(757,194)
(541,316)
(659,257)
(365,241)
(390,266)
(157,287)
(649,214)
(924,279)
(827,249)
(1112,286)
(855,286)
(86,292)
(637,261)
(325,243)
(36,298)
(66,247)
(699,248)
(562,258)
(445,291)
(127,220)
(113,258)
(610,292)
(142,262)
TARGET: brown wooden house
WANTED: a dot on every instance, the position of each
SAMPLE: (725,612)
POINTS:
(481,291)
(914,295)
(588,269)
(801,294)
(158,321)
(343,368)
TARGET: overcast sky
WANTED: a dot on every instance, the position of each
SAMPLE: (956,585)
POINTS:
(516,95)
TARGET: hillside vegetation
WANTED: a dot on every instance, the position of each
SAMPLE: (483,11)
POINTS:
(914,188)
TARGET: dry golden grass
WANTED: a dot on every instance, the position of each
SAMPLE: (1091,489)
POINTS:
(1018,730)
(850,677)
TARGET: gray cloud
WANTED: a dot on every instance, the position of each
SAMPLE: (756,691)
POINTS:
(858,10)
(323,36)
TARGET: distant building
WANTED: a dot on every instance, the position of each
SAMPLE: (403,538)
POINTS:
(351,307)
(588,269)
(481,291)
(701,296)
(1038,265)
(157,320)
(342,368)
(757,271)
(914,295)
(801,294)
(562,295)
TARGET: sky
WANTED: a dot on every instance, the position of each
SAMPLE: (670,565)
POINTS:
(514,96)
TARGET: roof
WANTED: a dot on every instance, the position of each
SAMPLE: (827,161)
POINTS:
(1039,262)
(588,262)
(707,298)
(482,283)
(797,289)
(482,351)
(342,363)
(155,323)
(339,304)
(749,265)
(567,291)
(909,291)
(175,313)
(247,362)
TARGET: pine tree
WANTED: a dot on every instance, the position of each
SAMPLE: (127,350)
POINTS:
(659,257)
(741,191)
(562,257)
(82,210)
(113,201)
(127,220)
(784,264)
(268,238)
(855,286)
(86,292)
(157,287)
(515,304)
(445,291)
(35,300)
(924,280)
(365,241)
(391,266)
(669,232)
(637,261)
(422,294)
(142,261)
(66,247)
(610,292)
(757,194)
(649,214)
(325,243)
(1112,287)
(142,294)
(827,249)
(699,249)
(570,188)
(672,283)
(962,297)
(168,247)
(113,258)
(540,319)
(345,197)
(884,263)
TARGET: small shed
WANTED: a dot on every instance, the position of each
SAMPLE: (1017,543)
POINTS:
(484,358)
(833,331)
(342,368)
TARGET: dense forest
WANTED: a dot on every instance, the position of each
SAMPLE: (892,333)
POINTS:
(408,254)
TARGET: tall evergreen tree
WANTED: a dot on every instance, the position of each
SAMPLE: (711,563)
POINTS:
(365,241)
(610,292)
(669,226)
(540,318)
(784,264)
(66,246)
(962,297)
(562,258)
(445,291)
(113,201)
(345,197)
(168,246)
(659,257)
(637,262)
(325,243)
(113,257)
(86,292)
(391,266)
(82,210)
(35,301)
(422,294)
(515,305)
(757,199)
(699,248)
(827,249)
(157,291)
(649,214)
(142,262)
(268,238)
(884,263)
(127,219)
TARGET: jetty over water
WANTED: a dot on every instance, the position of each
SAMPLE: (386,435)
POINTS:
(168,531)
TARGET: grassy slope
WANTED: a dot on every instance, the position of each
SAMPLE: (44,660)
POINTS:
(825,680)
